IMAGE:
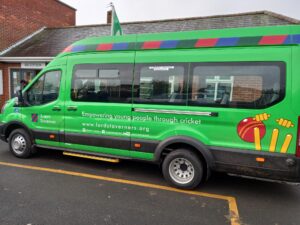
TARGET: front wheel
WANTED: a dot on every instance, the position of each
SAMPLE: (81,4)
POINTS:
(20,143)
(183,169)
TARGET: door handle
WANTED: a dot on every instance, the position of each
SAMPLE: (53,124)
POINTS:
(56,108)
(178,112)
(72,108)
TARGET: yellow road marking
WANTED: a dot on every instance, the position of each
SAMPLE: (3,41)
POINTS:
(234,214)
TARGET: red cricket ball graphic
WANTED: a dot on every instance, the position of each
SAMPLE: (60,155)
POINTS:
(246,127)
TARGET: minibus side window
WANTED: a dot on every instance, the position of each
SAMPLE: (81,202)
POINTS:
(45,89)
(237,85)
(102,83)
(161,84)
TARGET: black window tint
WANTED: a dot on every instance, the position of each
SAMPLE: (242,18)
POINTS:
(161,84)
(240,85)
(102,83)
(45,89)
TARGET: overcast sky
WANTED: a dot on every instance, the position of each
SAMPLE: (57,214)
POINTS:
(94,11)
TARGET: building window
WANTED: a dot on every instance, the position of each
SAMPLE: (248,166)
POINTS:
(237,85)
(218,85)
(17,76)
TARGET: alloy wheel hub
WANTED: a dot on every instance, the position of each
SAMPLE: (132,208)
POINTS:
(181,170)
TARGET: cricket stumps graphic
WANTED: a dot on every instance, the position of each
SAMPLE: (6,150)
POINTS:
(253,129)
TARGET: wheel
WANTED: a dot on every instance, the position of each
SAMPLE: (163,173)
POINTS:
(183,169)
(20,143)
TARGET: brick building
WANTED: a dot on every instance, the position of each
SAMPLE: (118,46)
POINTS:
(21,19)
(28,56)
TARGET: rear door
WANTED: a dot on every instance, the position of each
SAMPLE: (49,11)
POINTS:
(98,103)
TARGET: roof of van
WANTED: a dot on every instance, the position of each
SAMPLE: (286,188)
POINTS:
(254,36)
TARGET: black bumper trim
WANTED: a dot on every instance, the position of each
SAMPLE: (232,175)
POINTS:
(147,146)
(280,167)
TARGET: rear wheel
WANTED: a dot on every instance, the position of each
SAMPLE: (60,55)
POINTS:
(183,169)
(20,143)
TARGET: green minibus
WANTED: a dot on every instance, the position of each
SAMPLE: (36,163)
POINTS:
(192,102)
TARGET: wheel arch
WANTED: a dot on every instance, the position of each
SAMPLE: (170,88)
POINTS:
(188,141)
(17,125)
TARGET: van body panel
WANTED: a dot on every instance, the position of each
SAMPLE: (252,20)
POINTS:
(144,96)
(222,129)
(42,120)
(92,119)
(46,120)
(295,90)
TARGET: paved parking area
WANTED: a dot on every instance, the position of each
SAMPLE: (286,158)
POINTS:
(80,191)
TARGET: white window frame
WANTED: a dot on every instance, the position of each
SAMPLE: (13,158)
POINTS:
(1,82)
(218,81)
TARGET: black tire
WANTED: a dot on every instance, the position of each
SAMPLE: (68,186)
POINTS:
(20,143)
(183,169)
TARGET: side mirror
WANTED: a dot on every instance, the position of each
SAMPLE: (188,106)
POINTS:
(20,99)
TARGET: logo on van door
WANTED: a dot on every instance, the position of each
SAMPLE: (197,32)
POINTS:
(253,129)
(34,117)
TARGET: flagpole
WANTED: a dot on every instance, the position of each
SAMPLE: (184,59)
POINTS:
(112,19)
(115,23)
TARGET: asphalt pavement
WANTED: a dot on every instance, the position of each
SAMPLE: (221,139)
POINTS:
(95,192)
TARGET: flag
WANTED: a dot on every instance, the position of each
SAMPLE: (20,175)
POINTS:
(115,23)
